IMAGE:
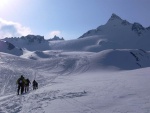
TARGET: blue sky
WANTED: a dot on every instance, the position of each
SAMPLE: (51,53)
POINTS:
(66,18)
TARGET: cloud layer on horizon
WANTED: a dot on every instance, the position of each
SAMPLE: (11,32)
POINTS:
(12,29)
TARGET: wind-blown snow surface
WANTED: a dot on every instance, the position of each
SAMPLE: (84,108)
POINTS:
(77,82)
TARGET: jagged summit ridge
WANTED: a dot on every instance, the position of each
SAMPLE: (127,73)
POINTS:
(32,38)
(29,38)
(55,38)
(114,16)
(115,20)
(138,28)
(29,42)
(115,24)
(116,34)
(148,28)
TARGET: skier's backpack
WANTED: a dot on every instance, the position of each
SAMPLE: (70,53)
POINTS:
(20,81)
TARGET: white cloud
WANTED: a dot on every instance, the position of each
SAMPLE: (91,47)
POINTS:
(53,33)
(12,29)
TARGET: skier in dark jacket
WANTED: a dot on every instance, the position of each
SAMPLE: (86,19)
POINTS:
(35,85)
(21,83)
(27,82)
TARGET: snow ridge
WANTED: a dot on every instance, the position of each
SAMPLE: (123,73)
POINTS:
(118,22)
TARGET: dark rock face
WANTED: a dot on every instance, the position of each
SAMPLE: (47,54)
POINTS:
(33,38)
(114,16)
(138,28)
(148,28)
(56,38)
(10,46)
(124,22)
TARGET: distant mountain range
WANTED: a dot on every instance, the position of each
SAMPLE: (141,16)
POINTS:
(117,44)
(115,34)
(32,42)
(56,38)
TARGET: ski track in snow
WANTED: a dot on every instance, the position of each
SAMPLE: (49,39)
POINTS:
(67,85)
(33,102)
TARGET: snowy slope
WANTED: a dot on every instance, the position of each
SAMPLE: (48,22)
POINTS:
(69,82)
(66,63)
(9,48)
(122,59)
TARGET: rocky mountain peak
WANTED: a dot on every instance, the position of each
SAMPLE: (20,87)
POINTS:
(114,17)
(56,38)
(32,38)
(138,28)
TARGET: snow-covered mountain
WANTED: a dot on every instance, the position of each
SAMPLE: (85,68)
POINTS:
(119,33)
(114,25)
(56,38)
(29,42)
(9,48)
(115,34)
(26,39)
(32,42)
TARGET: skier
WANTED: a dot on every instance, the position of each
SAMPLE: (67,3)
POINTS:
(21,83)
(35,85)
(27,82)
